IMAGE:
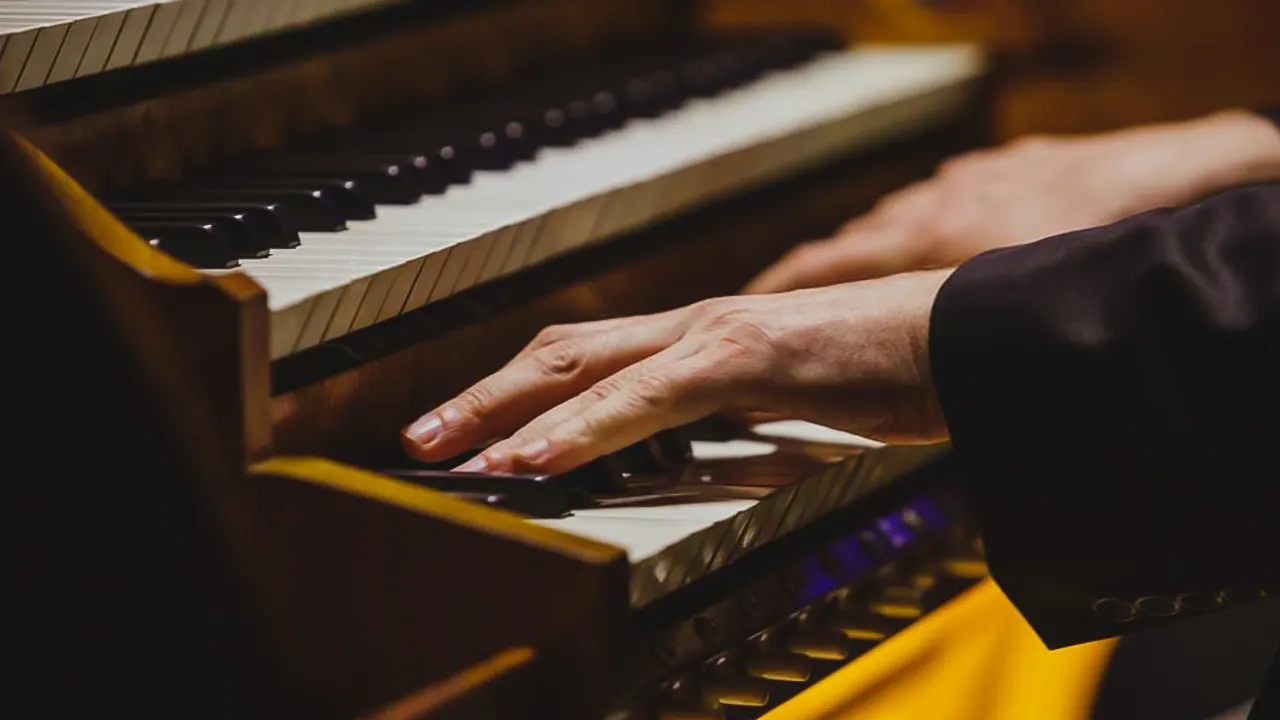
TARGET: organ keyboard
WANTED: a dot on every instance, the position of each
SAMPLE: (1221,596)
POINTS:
(276,250)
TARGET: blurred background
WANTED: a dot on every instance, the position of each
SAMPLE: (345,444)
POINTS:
(1072,65)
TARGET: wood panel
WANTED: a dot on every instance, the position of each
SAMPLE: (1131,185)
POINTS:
(160,574)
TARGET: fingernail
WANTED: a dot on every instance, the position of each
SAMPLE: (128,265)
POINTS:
(475,464)
(535,452)
(426,429)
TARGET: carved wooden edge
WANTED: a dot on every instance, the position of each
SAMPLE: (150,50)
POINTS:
(370,589)
(435,505)
(166,136)
(204,337)
(499,688)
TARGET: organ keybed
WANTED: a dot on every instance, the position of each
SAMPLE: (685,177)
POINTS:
(293,227)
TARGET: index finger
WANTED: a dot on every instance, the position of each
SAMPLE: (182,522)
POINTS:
(532,382)
(673,388)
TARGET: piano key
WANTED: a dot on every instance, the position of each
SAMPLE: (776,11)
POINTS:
(14,58)
(151,47)
(389,179)
(130,38)
(537,496)
(103,39)
(44,51)
(509,130)
(202,244)
(73,51)
(452,161)
(309,210)
(184,28)
(209,25)
(570,196)
(235,24)
(274,221)
(248,237)
(348,196)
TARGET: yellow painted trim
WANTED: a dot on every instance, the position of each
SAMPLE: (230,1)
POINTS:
(371,485)
(97,223)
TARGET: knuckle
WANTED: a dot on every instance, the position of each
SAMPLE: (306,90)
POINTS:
(743,341)
(551,335)
(600,391)
(560,360)
(475,401)
(653,391)
(706,311)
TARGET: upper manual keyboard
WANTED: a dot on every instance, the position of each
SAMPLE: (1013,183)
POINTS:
(364,224)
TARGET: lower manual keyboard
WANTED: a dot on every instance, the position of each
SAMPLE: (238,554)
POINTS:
(683,505)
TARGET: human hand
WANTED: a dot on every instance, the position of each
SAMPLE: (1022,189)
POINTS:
(1032,189)
(853,357)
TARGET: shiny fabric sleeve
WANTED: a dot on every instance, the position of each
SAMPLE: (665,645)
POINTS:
(1113,396)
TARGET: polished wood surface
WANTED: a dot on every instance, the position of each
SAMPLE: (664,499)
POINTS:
(371,587)
(172,531)
(1073,65)
(500,688)
(297,586)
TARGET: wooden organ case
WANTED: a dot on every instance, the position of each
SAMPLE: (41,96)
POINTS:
(217,537)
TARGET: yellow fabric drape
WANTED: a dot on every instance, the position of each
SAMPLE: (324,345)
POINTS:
(973,659)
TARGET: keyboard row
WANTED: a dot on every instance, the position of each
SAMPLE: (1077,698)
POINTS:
(242,212)
(365,224)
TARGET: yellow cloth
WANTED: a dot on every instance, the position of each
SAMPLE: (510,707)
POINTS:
(973,659)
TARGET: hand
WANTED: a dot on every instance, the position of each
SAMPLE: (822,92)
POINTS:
(1032,189)
(853,356)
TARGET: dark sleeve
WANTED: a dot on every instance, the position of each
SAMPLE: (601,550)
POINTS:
(1272,114)
(1113,396)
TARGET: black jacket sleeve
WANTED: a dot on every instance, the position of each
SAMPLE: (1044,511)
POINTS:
(1114,398)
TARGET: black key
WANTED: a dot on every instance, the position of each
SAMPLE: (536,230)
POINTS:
(656,454)
(203,245)
(348,195)
(271,217)
(309,210)
(450,159)
(510,132)
(544,123)
(389,179)
(483,149)
(247,238)
(534,495)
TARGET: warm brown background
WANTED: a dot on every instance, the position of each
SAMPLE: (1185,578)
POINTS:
(1076,65)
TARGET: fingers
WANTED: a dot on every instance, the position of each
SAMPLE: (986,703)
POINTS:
(674,387)
(551,371)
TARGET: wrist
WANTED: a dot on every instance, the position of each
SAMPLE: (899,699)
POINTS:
(929,284)
(1238,147)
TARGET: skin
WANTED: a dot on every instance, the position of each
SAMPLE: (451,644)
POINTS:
(1034,188)
(837,331)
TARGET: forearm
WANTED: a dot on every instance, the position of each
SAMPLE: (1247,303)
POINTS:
(1112,394)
